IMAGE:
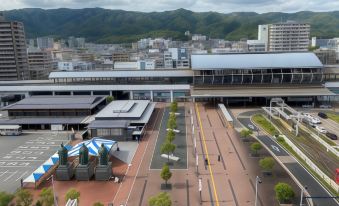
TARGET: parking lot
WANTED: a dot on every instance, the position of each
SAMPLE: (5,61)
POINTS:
(21,155)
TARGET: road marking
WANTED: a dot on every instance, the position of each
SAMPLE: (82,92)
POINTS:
(4,173)
(10,176)
(21,176)
(206,151)
(275,148)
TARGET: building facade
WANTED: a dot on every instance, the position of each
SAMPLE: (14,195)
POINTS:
(13,51)
(40,63)
(285,36)
(45,42)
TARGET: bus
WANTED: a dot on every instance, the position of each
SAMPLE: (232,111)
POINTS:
(10,130)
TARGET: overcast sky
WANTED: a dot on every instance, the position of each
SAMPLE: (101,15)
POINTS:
(224,6)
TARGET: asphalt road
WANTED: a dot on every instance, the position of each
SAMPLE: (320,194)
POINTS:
(314,188)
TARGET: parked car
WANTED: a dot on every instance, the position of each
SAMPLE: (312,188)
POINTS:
(322,115)
(321,129)
(331,136)
(315,120)
(325,106)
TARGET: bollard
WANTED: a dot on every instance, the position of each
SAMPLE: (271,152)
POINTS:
(219,157)
(206,161)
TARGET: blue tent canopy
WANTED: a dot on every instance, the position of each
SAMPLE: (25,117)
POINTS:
(93,146)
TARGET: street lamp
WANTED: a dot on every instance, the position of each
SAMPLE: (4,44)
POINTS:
(257,181)
(303,189)
(54,196)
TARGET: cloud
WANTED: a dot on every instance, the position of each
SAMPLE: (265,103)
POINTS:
(224,6)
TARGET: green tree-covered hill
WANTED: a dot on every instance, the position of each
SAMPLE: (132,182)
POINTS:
(114,26)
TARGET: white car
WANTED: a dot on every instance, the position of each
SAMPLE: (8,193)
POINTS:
(315,120)
(321,129)
(325,106)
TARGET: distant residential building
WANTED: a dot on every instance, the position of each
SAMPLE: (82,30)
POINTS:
(256,46)
(285,36)
(75,66)
(125,65)
(45,42)
(326,56)
(80,42)
(176,58)
(40,63)
(13,51)
(31,43)
(120,57)
(198,37)
(146,64)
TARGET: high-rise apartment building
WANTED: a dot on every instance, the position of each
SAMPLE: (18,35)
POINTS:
(13,51)
(285,36)
(45,42)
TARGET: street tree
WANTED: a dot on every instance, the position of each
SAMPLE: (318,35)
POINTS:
(24,197)
(172,121)
(166,174)
(47,197)
(170,135)
(98,204)
(162,199)
(167,148)
(267,164)
(109,99)
(174,107)
(72,194)
(255,147)
(284,192)
(5,198)
(244,133)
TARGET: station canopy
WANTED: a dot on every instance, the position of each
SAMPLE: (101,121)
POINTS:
(255,61)
(93,146)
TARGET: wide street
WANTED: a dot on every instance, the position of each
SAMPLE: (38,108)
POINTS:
(300,173)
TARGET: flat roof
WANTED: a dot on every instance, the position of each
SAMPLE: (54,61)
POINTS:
(98,124)
(127,109)
(9,126)
(262,92)
(120,87)
(125,73)
(56,102)
(255,61)
(43,120)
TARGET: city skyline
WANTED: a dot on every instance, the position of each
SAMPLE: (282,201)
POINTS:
(260,6)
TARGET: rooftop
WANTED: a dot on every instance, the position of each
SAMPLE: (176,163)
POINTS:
(123,109)
(57,102)
(255,61)
(125,73)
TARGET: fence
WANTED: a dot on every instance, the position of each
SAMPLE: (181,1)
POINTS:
(322,175)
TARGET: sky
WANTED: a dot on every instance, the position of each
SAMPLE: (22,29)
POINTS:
(223,6)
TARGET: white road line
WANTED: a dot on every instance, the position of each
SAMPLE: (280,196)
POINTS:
(4,173)
(10,176)
(21,176)
(14,160)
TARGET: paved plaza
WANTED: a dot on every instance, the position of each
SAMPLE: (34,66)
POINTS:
(21,155)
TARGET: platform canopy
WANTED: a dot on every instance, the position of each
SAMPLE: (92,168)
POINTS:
(261,92)
(93,146)
(255,61)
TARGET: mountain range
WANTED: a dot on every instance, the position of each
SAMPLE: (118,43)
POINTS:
(118,26)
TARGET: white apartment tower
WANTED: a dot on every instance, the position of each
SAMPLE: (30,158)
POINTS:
(285,36)
(13,51)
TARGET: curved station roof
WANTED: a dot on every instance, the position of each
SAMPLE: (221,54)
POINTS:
(255,61)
